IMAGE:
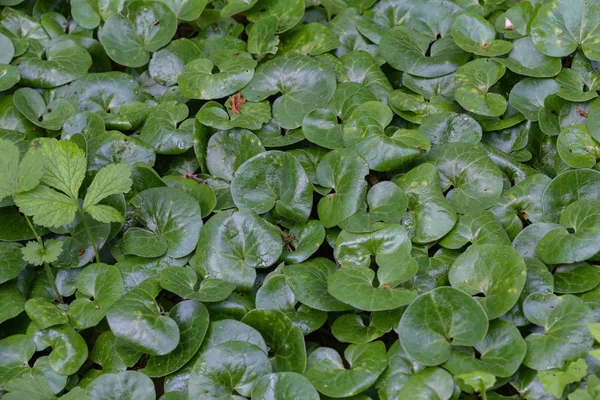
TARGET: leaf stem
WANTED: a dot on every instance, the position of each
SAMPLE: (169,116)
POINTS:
(47,267)
(89,233)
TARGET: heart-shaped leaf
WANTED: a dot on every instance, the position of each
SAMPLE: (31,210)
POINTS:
(89,13)
(576,278)
(284,386)
(172,214)
(184,283)
(438,320)
(478,227)
(497,271)
(234,243)
(528,96)
(192,319)
(49,116)
(446,126)
(524,59)
(16,350)
(567,188)
(429,383)
(44,313)
(312,87)
(228,150)
(140,25)
(11,261)
(473,33)
(287,12)
(167,130)
(137,321)
(303,241)
(69,349)
(126,384)
(476,78)
(565,334)
(274,181)
(327,372)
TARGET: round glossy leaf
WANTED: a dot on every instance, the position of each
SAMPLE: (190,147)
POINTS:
(172,214)
(69,349)
(430,216)
(311,87)
(497,271)
(567,188)
(137,321)
(234,243)
(199,82)
(321,126)
(250,115)
(352,328)
(15,352)
(473,33)
(565,335)
(473,180)
(310,39)
(559,114)
(308,282)
(192,319)
(500,353)
(231,367)
(327,372)
(577,148)
(143,243)
(431,383)
(228,330)
(560,27)
(304,241)
(478,227)
(476,78)
(274,181)
(284,386)
(49,116)
(145,36)
(528,95)
(445,126)
(524,59)
(287,12)
(355,287)
(411,51)
(438,320)
(88,13)
(167,130)
(228,150)
(63,62)
(342,170)
(578,240)
(184,10)
(45,314)
(285,340)
(576,278)
(527,240)
(9,76)
(184,283)
(126,384)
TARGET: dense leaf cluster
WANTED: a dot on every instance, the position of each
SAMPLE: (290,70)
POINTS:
(299,199)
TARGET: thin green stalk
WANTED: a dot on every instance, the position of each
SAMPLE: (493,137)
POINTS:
(47,267)
(89,233)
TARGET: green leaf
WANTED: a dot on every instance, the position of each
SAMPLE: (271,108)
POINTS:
(143,35)
(143,243)
(13,301)
(555,380)
(304,241)
(478,228)
(565,334)
(235,71)
(473,33)
(477,381)
(69,349)
(112,179)
(201,191)
(171,214)
(184,10)
(429,383)
(227,368)
(352,328)
(561,27)
(567,188)
(438,320)
(310,39)
(228,150)
(328,374)
(104,285)
(287,12)
(312,86)
(284,386)
(126,384)
(446,126)
(343,171)
(60,63)
(251,115)
(262,38)
(35,254)
(184,283)
(45,314)
(233,243)
(12,260)
(275,181)
(528,96)
(525,59)
(137,321)
(192,318)
(576,278)
(49,116)
(473,181)
(47,206)
(18,176)
(285,341)
(500,353)
(407,50)
(88,13)
(16,350)
(496,271)
(577,148)
(308,282)
(161,130)
(476,78)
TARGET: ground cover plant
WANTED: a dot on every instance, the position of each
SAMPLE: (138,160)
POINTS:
(299,199)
